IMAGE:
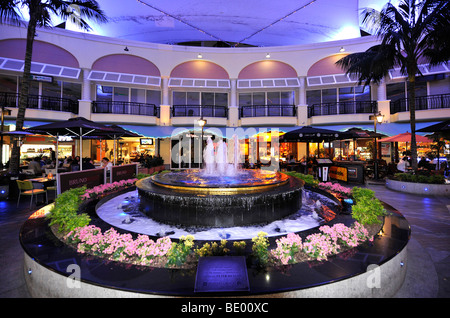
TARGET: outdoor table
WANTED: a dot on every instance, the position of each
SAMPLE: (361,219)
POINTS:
(44,182)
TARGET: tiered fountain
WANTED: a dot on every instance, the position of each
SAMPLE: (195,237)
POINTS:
(220,194)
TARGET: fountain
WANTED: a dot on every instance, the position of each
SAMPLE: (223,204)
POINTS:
(219,195)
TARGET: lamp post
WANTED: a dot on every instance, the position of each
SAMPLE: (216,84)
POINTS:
(201,123)
(377,118)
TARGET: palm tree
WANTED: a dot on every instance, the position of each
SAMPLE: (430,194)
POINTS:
(416,30)
(40,13)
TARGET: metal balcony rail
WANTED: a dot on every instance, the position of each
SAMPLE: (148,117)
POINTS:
(125,108)
(341,108)
(267,111)
(199,111)
(41,102)
(422,103)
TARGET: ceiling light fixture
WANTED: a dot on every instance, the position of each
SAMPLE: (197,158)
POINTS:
(126,49)
(199,56)
(268,56)
(342,49)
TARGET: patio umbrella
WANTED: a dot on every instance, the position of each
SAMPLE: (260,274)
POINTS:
(313,134)
(405,137)
(357,133)
(75,127)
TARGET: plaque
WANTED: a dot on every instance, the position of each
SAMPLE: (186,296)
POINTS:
(221,274)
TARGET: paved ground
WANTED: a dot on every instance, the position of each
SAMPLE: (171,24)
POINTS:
(428,271)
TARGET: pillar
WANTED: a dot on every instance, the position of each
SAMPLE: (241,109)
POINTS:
(164,109)
(233,107)
(85,103)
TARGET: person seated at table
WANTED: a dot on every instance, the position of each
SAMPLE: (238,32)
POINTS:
(106,163)
(35,166)
(88,164)
(403,164)
(422,164)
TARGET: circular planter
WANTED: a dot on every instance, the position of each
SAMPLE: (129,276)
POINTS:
(418,188)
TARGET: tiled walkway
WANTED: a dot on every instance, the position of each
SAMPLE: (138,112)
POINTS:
(428,271)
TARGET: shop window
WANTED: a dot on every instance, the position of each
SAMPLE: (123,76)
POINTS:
(137,95)
(104,93)
(8,84)
(72,90)
(154,97)
(313,97)
(395,91)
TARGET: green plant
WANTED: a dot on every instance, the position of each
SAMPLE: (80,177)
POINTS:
(367,208)
(307,178)
(65,211)
(260,248)
(420,178)
(179,252)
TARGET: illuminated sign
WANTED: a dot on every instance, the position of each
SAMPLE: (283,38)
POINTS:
(338,173)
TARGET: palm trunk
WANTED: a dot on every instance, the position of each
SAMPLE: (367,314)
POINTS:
(412,115)
(23,95)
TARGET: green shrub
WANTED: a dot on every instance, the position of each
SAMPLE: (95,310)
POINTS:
(180,251)
(367,208)
(307,178)
(420,178)
(65,211)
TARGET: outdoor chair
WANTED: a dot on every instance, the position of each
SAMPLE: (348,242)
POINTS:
(26,189)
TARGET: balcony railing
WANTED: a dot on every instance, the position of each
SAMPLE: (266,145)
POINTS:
(341,108)
(41,102)
(199,111)
(125,108)
(267,111)
(422,103)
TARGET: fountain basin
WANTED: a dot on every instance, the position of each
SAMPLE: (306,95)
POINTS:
(194,199)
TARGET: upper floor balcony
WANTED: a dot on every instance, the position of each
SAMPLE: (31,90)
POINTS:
(342,108)
(40,102)
(189,114)
(341,112)
(125,112)
(259,115)
(431,107)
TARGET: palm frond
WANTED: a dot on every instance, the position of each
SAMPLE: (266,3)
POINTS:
(8,12)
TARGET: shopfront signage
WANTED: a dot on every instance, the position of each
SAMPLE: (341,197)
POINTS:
(41,78)
(338,173)
(89,178)
(124,172)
